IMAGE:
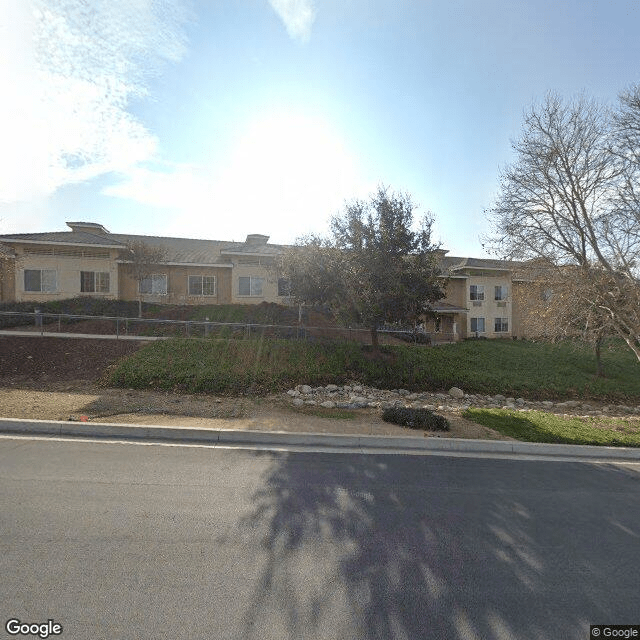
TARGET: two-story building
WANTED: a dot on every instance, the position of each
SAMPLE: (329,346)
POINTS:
(88,260)
(479,300)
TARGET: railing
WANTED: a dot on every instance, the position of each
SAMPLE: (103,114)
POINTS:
(40,323)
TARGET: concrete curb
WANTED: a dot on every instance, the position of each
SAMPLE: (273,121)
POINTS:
(284,439)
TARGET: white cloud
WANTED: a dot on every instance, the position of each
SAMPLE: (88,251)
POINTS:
(298,16)
(72,68)
(286,175)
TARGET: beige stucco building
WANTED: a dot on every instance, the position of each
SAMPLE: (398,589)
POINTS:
(88,260)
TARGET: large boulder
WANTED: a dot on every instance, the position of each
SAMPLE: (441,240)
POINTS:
(454,392)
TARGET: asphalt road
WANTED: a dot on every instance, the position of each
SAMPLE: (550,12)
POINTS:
(133,541)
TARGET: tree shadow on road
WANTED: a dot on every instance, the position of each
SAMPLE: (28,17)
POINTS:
(385,546)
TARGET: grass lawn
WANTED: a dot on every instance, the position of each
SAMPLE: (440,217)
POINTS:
(258,366)
(538,426)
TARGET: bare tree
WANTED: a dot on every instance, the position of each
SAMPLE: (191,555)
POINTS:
(374,268)
(143,259)
(556,306)
(569,202)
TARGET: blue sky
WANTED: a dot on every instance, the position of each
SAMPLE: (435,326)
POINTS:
(219,118)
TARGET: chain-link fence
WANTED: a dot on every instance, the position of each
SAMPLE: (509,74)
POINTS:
(41,323)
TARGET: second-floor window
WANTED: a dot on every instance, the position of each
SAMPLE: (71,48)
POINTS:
(250,286)
(94,282)
(202,285)
(476,292)
(501,292)
(156,283)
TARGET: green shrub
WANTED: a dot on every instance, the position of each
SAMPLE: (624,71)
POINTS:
(415,418)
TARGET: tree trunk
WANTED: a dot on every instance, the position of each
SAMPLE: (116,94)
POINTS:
(599,366)
(139,306)
(374,338)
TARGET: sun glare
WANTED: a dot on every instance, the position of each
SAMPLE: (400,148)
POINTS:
(289,166)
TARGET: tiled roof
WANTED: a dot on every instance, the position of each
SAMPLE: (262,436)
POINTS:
(450,264)
(181,250)
(197,251)
(63,237)
(253,249)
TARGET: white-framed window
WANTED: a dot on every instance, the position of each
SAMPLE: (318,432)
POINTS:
(501,325)
(40,280)
(500,292)
(94,281)
(202,285)
(477,325)
(476,292)
(250,286)
(155,283)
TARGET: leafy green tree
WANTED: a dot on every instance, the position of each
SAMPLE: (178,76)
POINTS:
(374,268)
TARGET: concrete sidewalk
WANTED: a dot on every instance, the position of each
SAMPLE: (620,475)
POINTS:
(275,439)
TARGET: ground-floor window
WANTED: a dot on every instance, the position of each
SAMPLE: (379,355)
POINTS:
(477,325)
(501,325)
(438,324)
(156,283)
(250,286)
(284,287)
(40,280)
(202,285)
(94,281)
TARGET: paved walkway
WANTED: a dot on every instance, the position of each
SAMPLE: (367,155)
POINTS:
(94,336)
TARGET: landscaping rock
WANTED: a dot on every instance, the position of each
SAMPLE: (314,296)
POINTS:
(358,396)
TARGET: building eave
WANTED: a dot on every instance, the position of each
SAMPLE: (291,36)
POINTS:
(63,244)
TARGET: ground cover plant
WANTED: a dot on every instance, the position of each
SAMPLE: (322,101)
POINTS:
(415,418)
(538,426)
(513,368)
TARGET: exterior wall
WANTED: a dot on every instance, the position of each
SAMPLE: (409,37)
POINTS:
(67,270)
(7,280)
(520,292)
(441,329)
(178,285)
(456,290)
(489,308)
(258,269)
